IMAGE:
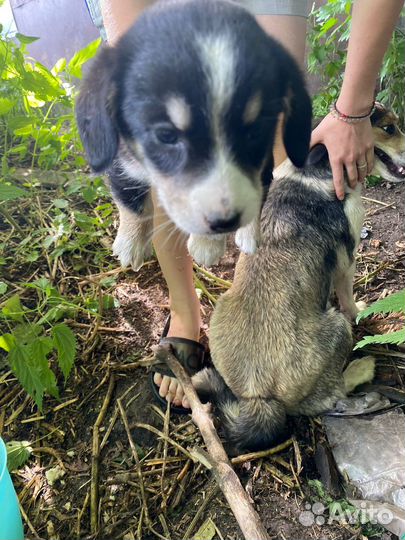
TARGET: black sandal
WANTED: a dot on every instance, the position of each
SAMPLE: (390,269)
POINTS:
(191,355)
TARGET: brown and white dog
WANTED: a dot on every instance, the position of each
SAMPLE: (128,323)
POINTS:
(277,345)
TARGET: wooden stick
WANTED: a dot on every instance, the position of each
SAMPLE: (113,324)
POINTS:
(95,455)
(238,500)
(145,509)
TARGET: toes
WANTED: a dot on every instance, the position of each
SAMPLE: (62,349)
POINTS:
(157,379)
(185,403)
(178,398)
(164,386)
(172,390)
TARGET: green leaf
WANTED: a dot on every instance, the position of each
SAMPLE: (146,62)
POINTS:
(3,287)
(33,256)
(26,40)
(28,371)
(89,194)
(27,333)
(65,343)
(55,313)
(109,302)
(9,193)
(59,66)
(18,453)
(61,203)
(7,342)
(394,303)
(392,338)
(75,65)
(6,105)
(207,531)
(327,26)
(13,308)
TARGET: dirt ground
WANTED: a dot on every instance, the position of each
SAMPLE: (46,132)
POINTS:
(168,495)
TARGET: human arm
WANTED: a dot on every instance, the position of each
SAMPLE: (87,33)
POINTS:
(349,145)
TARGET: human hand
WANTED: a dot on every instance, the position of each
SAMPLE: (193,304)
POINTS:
(350,147)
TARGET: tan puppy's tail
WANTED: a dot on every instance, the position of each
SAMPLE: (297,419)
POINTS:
(249,424)
(359,371)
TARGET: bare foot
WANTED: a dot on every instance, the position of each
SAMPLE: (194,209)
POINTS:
(185,325)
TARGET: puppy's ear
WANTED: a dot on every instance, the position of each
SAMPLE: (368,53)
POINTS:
(317,154)
(94,112)
(298,115)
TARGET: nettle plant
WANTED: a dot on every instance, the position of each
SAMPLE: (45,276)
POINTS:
(37,123)
(29,346)
(328,37)
(38,132)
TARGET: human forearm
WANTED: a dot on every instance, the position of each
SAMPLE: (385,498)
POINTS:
(373,22)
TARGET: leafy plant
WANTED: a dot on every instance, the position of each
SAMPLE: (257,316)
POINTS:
(343,510)
(394,303)
(18,453)
(29,344)
(59,215)
(328,37)
(36,107)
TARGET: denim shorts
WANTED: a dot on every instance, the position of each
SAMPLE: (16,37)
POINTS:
(297,8)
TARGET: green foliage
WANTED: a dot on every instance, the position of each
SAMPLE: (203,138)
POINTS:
(344,510)
(37,124)
(58,216)
(328,37)
(395,303)
(31,344)
(18,453)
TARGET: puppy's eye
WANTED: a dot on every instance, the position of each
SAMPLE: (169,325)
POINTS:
(390,129)
(254,134)
(167,135)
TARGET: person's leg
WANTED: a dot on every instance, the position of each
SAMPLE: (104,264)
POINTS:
(290,31)
(170,244)
(177,268)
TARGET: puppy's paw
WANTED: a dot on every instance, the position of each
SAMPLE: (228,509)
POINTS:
(130,251)
(248,238)
(360,371)
(206,250)
(361,306)
(353,309)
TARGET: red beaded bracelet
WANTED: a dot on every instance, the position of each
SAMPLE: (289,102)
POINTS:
(349,118)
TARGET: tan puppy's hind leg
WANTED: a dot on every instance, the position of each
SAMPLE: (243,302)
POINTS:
(358,372)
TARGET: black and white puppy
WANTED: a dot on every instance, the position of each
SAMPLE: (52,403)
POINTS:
(187,103)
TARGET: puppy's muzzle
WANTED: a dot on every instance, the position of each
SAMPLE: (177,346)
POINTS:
(219,224)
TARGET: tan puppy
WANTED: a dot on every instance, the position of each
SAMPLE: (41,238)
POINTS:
(278,346)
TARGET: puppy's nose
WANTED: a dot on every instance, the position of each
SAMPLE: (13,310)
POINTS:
(220,225)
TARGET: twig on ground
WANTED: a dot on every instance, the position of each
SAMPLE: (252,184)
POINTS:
(52,452)
(137,462)
(238,500)
(81,512)
(95,455)
(29,524)
(222,282)
(263,453)
(211,492)
(377,202)
(165,446)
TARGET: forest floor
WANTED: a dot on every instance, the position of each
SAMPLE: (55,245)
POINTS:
(82,437)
